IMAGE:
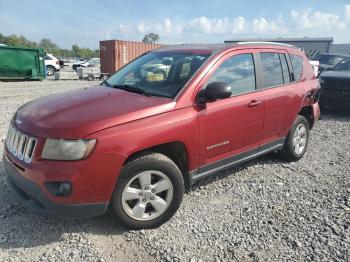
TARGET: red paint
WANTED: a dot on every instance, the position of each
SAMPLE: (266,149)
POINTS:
(124,123)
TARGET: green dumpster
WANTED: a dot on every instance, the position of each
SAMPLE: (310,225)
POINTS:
(19,63)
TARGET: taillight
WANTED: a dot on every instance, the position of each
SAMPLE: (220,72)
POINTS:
(316,96)
(57,62)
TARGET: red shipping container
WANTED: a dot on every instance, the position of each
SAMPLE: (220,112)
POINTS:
(116,53)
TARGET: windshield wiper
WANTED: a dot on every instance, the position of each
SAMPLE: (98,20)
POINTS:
(104,82)
(133,89)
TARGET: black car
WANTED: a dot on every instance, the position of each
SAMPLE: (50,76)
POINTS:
(335,86)
(328,61)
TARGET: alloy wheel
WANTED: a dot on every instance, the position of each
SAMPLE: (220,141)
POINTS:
(147,195)
(299,139)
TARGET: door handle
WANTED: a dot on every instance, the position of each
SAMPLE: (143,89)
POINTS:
(254,103)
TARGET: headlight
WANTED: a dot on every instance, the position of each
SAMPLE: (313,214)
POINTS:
(60,149)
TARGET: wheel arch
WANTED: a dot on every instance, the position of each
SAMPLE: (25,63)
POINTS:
(307,112)
(175,150)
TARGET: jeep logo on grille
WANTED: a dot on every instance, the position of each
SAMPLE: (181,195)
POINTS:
(18,122)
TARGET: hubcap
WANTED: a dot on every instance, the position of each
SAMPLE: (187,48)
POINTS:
(299,139)
(147,195)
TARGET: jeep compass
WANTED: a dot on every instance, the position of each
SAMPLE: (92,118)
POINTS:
(133,144)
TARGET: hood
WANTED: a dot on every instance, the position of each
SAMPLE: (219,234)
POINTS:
(339,80)
(336,75)
(78,113)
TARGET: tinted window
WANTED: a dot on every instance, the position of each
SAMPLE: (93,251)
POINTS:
(297,64)
(47,57)
(329,59)
(285,69)
(271,70)
(343,65)
(237,71)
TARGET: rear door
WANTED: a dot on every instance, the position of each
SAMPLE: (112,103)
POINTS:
(279,94)
(232,125)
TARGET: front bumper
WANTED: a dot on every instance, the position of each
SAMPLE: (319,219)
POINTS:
(32,196)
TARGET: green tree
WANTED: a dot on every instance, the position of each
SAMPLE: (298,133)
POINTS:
(75,49)
(12,40)
(151,38)
(2,39)
(49,46)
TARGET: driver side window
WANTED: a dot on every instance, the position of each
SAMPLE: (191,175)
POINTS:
(237,71)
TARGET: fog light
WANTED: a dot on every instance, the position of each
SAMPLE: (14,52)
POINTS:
(59,188)
(65,189)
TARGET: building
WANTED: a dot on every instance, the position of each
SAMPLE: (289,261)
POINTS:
(312,46)
(340,49)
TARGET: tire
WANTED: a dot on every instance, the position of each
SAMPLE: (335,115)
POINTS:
(297,140)
(91,78)
(135,201)
(50,70)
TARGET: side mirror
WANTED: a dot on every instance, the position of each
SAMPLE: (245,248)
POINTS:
(214,91)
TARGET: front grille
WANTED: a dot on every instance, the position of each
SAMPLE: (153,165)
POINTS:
(20,145)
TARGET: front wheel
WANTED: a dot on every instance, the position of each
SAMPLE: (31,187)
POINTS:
(148,192)
(297,140)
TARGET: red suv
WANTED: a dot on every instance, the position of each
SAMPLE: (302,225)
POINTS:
(162,122)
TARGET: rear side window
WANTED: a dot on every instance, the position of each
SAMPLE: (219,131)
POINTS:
(285,69)
(237,71)
(297,64)
(271,70)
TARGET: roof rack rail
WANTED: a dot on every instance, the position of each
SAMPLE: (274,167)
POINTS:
(270,43)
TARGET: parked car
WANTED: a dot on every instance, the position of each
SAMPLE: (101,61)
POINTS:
(135,142)
(77,64)
(88,63)
(62,62)
(328,61)
(52,64)
(91,73)
(335,86)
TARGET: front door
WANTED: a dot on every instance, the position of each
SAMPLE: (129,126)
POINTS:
(233,125)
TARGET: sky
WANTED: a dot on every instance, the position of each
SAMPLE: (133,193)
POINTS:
(207,21)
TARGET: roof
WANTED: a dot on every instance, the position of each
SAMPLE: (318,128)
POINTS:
(213,48)
(282,39)
(209,48)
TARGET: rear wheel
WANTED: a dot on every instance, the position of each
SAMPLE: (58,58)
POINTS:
(149,191)
(91,78)
(50,70)
(297,140)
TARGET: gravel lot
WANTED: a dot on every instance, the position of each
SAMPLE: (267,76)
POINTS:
(265,209)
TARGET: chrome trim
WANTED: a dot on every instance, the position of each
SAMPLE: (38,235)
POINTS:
(20,145)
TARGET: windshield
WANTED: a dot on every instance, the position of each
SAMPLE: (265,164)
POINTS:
(328,59)
(158,73)
(343,65)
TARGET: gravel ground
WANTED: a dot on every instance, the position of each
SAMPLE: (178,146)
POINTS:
(263,210)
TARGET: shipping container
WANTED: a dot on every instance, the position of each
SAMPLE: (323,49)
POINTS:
(115,54)
(18,63)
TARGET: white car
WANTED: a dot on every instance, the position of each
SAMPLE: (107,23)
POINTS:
(52,64)
(91,62)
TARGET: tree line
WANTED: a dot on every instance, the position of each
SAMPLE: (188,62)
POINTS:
(49,47)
